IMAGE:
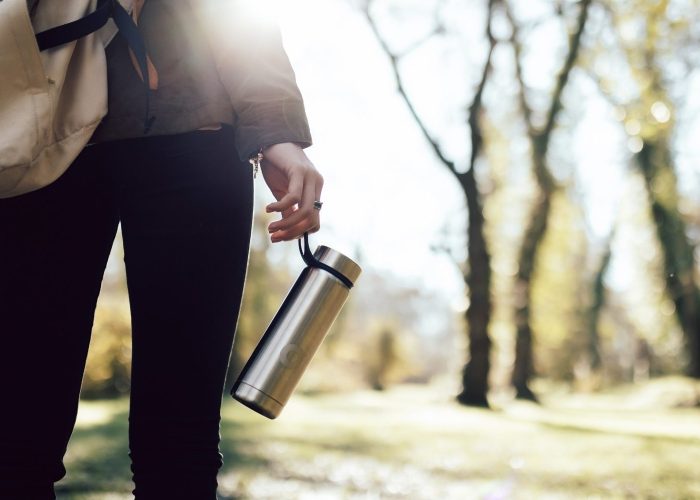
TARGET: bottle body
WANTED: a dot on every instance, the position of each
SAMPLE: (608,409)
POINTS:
(294,335)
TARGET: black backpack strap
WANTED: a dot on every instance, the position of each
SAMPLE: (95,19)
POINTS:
(77,29)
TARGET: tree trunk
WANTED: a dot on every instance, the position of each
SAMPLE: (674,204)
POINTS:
(678,252)
(537,227)
(523,366)
(475,373)
(593,315)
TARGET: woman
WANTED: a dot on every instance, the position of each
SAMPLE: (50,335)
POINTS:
(183,195)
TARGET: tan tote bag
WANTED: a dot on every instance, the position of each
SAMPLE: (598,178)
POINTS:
(51,101)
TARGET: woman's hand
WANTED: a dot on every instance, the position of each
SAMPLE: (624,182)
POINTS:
(296,184)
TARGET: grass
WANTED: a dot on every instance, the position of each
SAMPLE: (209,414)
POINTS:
(414,442)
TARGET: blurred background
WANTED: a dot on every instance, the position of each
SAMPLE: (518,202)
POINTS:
(520,181)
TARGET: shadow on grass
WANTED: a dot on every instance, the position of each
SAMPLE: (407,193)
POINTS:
(97,459)
(98,462)
(239,451)
(586,429)
(347,443)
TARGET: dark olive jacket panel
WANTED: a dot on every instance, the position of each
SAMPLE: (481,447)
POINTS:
(216,64)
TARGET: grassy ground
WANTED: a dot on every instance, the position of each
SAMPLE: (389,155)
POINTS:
(413,442)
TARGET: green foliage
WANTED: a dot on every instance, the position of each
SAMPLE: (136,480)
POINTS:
(645,311)
(560,274)
(108,369)
(385,361)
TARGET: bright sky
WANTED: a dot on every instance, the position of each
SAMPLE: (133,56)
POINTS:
(386,193)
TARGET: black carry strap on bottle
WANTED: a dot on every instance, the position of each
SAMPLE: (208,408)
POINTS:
(105,10)
(311,261)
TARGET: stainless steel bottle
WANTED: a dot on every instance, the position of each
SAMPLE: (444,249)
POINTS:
(295,333)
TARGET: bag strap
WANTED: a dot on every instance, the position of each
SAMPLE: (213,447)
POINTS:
(129,30)
(137,8)
(77,29)
(94,21)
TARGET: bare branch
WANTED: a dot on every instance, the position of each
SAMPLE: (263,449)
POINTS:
(597,79)
(476,106)
(562,79)
(474,109)
(539,139)
(435,31)
(438,29)
(447,251)
(518,50)
(394,60)
(574,46)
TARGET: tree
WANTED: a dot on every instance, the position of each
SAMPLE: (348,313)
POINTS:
(650,123)
(477,274)
(597,300)
(540,139)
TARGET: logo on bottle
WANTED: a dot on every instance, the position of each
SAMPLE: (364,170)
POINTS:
(290,355)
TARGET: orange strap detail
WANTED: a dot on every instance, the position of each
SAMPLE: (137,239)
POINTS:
(152,72)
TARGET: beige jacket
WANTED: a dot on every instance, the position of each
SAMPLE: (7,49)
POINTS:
(216,64)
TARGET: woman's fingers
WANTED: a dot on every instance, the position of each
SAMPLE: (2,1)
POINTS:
(304,218)
(296,232)
(319,188)
(294,193)
(296,184)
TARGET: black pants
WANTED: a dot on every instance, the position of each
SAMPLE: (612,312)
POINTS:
(185,205)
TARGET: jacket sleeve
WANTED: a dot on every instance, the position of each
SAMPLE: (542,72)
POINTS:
(256,72)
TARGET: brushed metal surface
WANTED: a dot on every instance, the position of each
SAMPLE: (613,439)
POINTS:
(294,335)
(339,262)
(258,401)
